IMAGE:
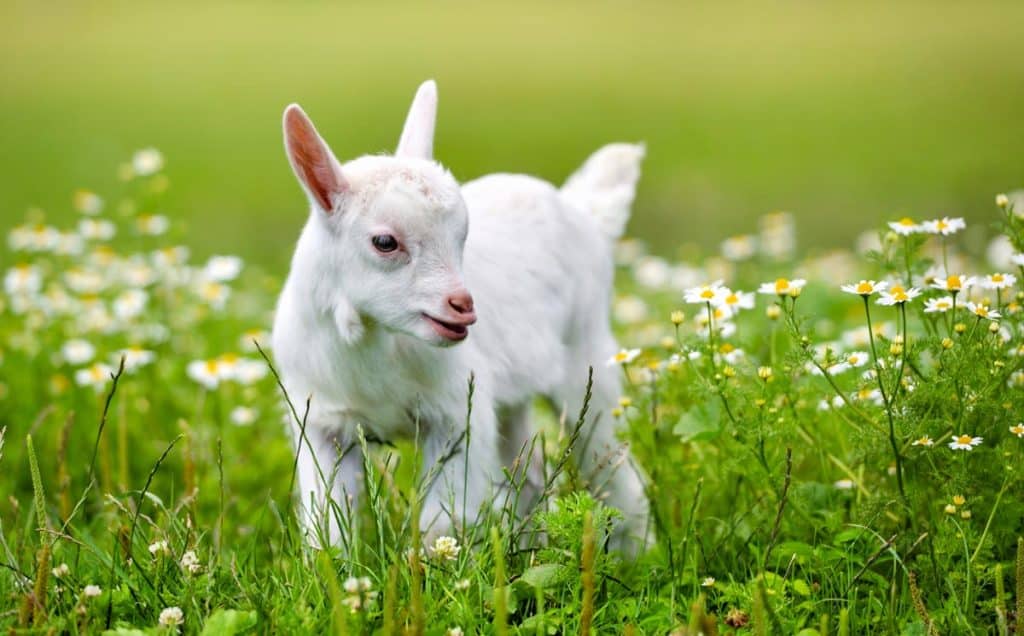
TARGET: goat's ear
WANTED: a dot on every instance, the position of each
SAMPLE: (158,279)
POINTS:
(314,164)
(418,134)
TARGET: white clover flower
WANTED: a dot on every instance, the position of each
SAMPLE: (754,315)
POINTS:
(61,571)
(243,415)
(624,356)
(351,585)
(221,269)
(734,301)
(171,617)
(96,229)
(77,351)
(998,281)
(130,303)
(135,358)
(864,287)
(629,310)
(147,161)
(95,376)
(205,372)
(190,562)
(710,293)
(1018,430)
(906,226)
(925,441)
(782,287)
(982,311)
(152,224)
(92,591)
(953,283)
(898,295)
(446,548)
(965,442)
(158,548)
(651,271)
(23,279)
(938,305)
(739,248)
(213,293)
(944,226)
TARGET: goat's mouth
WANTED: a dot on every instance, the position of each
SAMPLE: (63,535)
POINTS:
(450,331)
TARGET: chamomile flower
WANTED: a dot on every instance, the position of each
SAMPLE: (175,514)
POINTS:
(938,305)
(982,311)
(152,224)
(965,442)
(243,415)
(213,293)
(246,371)
(84,281)
(147,161)
(170,257)
(944,226)
(864,288)
(629,310)
(95,376)
(135,358)
(624,356)
(734,301)
(856,358)
(1018,429)
(130,303)
(906,226)
(710,293)
(739,248)
(87,202)
(23,279)
(782,287)
(998,281)
(925,441)
(221,269)
(651,271)
(252,336)
(171,617)
(1017,259)
(69,244)
(96,229)
(205,372)
(898,295)
(77,351)
(953,283)
(137,273)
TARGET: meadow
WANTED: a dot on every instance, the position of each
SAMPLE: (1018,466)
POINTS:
(826,454)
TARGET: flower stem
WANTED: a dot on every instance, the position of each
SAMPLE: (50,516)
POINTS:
(885,402)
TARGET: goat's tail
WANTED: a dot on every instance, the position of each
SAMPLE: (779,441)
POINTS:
(606,184)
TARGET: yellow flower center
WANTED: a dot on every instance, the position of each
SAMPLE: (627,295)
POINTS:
(953,282)
(732,299)
(781,285)
(997,278)
(211,367)
(707,294)
(620,356)
(941,224)
(906,221)
(864,287)
(959,500)
(981,310)
(964,439)
(853,359)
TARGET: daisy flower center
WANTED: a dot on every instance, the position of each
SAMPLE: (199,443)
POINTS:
(906,221)
(865,287)
(953,282)
(781,285)
(964,439)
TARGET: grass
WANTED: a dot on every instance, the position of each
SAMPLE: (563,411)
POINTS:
(845,113)
(800,463)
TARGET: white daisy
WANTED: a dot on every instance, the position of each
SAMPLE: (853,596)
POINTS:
(864,287)
(147,161)
(940,305)
(898,295)
(243,415)
(906,226)
(624,356)
(23,279)
(152,224)
(998,281)
(965,442)
(783,287)
(982,311)
(222,268)
(953,283)
(87,202)
(77,351)
(205,372)
(134,358)
(944,226)
(130,303)
(710,293)
(95,376)
(96,229)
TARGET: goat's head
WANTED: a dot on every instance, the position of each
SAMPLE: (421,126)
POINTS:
(395,227)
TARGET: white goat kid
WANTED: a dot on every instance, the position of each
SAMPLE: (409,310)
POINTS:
(378,295)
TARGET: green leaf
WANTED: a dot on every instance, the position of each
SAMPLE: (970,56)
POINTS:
(700,423)
(227,622)
(800,587)
(546,575)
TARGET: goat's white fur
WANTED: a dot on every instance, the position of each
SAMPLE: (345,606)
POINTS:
(349,329)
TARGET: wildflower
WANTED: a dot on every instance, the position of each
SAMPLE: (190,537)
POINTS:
(629,310)
(95,376)
(205,372)
(940,305)
(965,442)
(1002,200)
(137,273)
(959,500)
(710,293)
(949,509)
(864,288)
(844,484)
(736,300)
(221,269)
(739,248)
(446,548)
(245,371)
(925,441)
(96,229)
(92,591)
(190,562)
(84,281)
(135,357)
(152,224)
(624,356)
(651,271)
(773,312)
(130,303)
(778,235)
(898,295)
(23,279)
(953,283)
(625,401)
(351,585)
(61,571)
(170,257)
(159,547)
(856,359)
(254,335)
(906,226)
(215,294)
(69,244)
(765,373)
(966,514)
(982,311)
(944,226)
(147,161)
(783,287)
(709,581)
(87,202)
(77,351)
(1018,430)
(171,617)
(869,395)
(34,238)
(462,585)
(243,415)
(454,631)
(998,281)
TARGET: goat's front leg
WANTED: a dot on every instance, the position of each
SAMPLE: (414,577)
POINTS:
(462,476)
(329,474)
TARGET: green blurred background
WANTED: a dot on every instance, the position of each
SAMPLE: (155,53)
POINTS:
(843,113)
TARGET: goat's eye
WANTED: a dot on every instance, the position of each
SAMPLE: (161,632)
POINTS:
(385,243)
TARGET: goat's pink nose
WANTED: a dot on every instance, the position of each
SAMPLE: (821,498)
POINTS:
(461,302)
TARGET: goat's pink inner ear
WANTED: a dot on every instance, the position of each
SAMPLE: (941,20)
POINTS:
(311,159)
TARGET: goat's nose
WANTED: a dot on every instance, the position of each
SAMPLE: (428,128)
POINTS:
(461,302)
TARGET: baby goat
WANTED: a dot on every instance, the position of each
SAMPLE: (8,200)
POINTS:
(374,321)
